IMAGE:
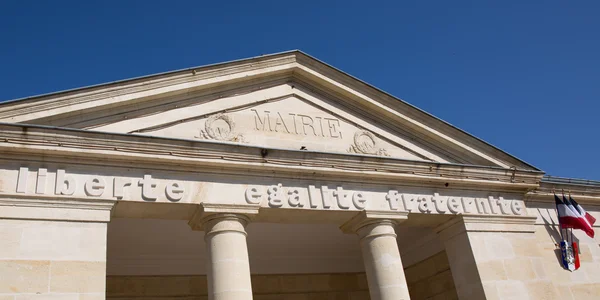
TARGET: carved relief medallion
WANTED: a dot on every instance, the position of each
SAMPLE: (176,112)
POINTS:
(220,127)
(366,143)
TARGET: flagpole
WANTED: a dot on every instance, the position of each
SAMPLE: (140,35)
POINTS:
(571,231)
(571,235)
(560,230)
(567,229)
(563,244)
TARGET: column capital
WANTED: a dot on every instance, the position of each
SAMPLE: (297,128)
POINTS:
(55,208)
(212,211)
(371,217)
(475,223)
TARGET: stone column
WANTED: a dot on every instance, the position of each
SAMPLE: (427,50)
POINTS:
(228,264)
(385,273)
(52,247)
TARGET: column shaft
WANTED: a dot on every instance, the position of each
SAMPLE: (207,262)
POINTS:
(228,264)
(383,265)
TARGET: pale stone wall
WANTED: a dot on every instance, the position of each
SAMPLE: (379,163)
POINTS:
(520,263)
(584,283)
(52,260)
(496,259)
(346,286)
(431,279)
(509,266)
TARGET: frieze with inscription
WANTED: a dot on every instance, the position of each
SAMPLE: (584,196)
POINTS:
(306,195)
(98,186)
(324,197)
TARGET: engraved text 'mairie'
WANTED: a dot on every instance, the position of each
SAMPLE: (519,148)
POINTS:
(298,124)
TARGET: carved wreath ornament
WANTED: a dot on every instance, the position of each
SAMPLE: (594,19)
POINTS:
(365,143)
(220,127)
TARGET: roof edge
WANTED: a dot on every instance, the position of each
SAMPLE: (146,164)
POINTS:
(570,181)
(418,109)
(274,55)
(121,81)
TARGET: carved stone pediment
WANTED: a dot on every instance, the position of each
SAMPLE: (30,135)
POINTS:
(287,122)
(288,101)
(220,127)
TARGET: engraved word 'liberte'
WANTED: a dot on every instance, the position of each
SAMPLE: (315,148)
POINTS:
(297,124)
(97,186)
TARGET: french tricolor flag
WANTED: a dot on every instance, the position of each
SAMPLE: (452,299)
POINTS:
(569,216)
(582,211)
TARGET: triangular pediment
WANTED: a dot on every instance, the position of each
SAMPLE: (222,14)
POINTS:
(283,118)
(285,101)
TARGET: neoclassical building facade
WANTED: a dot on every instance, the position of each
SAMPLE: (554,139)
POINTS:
(275,177)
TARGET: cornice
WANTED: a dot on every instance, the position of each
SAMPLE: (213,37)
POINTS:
(548,197)
(426,126)
(486,223)
(584,191)
(44,207)
(89,119)
(30,106)
(117,148)
(56,201)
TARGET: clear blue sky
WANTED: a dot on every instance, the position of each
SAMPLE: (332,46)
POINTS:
(521,75)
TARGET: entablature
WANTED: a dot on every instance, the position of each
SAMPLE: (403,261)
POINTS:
(87,147)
